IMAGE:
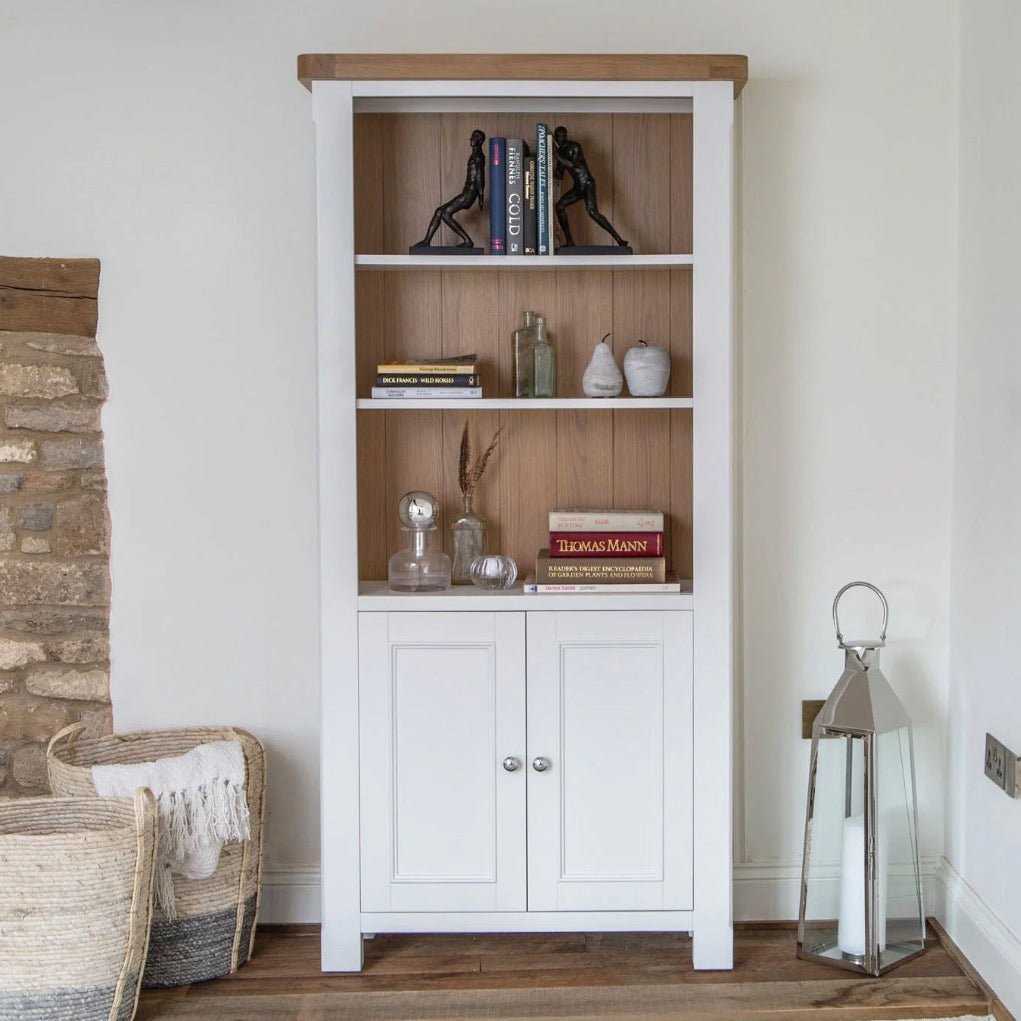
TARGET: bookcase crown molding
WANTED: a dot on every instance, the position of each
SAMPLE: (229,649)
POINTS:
(695,67)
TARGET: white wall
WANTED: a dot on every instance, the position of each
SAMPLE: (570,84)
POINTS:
(172,140)
(983,826)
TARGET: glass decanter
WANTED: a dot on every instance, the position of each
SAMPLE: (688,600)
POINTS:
(418,568)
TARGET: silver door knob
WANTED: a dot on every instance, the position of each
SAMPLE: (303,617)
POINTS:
(540,764)
(511,764)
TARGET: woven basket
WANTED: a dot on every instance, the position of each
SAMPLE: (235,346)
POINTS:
(214,930)
(75,903)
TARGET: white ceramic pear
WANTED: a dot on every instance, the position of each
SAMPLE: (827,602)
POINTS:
(602,377)
(647,370)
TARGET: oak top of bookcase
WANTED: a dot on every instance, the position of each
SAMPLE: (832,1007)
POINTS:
(523,66)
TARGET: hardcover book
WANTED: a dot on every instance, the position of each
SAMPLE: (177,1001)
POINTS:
(531,225)
(515,196)
(603,570)
(606,544)
(542,190)
(436,369)
(431,363)
(551,191)
(427,379)
(419,393)
(582,520)
(498,196)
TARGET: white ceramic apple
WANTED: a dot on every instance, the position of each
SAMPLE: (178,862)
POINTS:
(647,370)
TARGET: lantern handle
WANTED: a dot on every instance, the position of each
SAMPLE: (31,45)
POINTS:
(882,599)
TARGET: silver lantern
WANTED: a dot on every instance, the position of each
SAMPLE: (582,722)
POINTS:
(861,886)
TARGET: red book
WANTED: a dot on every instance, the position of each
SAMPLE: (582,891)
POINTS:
(606,544)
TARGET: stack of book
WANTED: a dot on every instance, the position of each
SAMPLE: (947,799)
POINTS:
(423,378)
(603,551)
(521,195)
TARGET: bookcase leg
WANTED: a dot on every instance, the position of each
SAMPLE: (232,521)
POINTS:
(713,947)
(342,944)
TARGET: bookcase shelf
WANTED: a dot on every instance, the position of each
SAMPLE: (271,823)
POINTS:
(374,595)
(529,404)
(522,262)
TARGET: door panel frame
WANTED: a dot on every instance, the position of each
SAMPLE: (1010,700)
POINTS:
(549,632)
(381,635)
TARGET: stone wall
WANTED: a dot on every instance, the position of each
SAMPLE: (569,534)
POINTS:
(54,525)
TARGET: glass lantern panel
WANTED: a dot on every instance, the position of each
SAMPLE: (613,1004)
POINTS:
(834,909)
(901,922)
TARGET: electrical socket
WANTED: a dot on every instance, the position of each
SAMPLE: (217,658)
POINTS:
(1002,767)
(995,761)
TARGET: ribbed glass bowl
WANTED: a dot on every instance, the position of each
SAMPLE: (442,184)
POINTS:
(492,573)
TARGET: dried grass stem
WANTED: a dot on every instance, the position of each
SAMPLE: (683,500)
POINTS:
(468,474)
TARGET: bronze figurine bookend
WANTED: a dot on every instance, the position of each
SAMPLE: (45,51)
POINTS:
(569,156)
(474,190)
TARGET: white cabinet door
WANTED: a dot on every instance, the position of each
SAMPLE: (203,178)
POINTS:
(610,710)
(442,705)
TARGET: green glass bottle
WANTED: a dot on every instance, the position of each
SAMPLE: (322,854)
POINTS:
(523,341)
(544,362)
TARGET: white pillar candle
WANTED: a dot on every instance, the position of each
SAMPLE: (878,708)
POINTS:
(851,921)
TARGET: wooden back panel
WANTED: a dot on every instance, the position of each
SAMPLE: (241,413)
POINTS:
(546,459)
(406,164)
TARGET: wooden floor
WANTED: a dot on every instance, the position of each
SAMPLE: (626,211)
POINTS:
(570,977)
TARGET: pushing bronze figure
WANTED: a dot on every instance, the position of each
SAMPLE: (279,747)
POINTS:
(569,156)
(474,190)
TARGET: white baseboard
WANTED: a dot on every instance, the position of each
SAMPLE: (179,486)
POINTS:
(771,891)
(290,895)
(766,892)
(762,892)
(993,949)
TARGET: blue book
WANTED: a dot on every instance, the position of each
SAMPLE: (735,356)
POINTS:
(498,196)
(542,188)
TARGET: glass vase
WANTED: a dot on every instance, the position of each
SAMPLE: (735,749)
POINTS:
(469,542)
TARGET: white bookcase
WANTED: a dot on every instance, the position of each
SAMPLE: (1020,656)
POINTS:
(507,762)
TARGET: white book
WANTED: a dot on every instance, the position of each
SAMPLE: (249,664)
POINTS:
(424,393)
(672,584)
(580,520)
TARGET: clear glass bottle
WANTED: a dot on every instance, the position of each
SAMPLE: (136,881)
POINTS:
(524,338)
(469,541)
(544,362)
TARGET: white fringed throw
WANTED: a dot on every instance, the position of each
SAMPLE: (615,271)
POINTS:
(200,797)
